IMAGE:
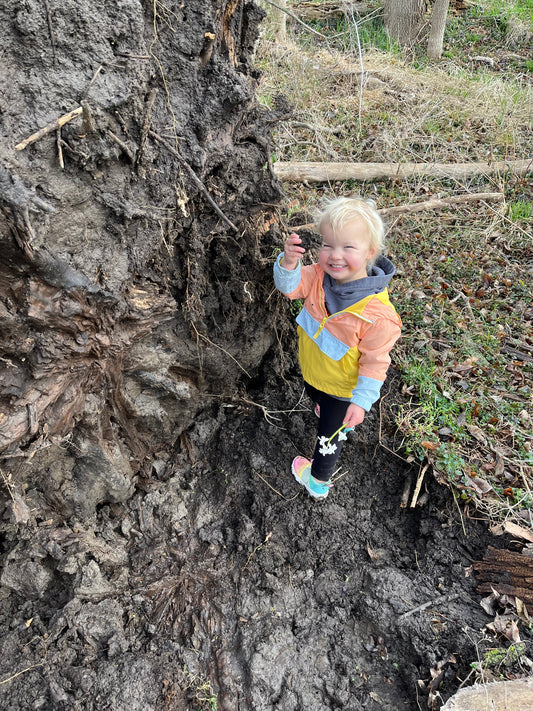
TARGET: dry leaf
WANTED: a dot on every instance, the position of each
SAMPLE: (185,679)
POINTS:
(521,610)
(478,433)
(20,511)
(372,555)
(490,603)
(515,530)
(479,485)
(499,467)
(432,446)
(505,626)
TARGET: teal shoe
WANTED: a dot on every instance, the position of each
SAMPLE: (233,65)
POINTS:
(301,468)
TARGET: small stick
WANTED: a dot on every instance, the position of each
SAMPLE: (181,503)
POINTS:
(276,491)
(195,179)
(52,126)
(88,125)
(133,56)
(438,600)
(418,485)
(95,75)
(207,340)
(23,671)
(50,30)
(59,150)
(256,549)
(124,146)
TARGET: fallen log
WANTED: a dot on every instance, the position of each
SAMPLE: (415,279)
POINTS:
(515,695)
(324,172)
(330,9)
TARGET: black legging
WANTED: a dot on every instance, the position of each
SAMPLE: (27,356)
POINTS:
(332,415)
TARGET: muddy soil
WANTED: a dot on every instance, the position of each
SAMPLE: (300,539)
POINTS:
(156,553)
(220,584)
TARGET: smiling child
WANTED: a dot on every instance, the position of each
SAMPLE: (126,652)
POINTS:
(346,327)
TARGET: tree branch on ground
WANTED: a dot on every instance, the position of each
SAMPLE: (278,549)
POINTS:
(323,172)
(435,204)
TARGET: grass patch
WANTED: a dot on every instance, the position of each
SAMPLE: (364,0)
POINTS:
(467,356)
(463,285)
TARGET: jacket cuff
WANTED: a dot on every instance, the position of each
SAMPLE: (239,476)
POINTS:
(366,392)
(286,280)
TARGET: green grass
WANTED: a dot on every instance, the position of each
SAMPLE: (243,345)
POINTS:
(463,300)
(507,10)
(520,210)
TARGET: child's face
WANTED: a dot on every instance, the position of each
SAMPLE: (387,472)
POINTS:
(345,253)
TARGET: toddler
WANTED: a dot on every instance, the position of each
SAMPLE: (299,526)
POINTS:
(346,328)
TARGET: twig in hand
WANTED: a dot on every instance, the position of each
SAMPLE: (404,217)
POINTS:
(194,177)
(52,126)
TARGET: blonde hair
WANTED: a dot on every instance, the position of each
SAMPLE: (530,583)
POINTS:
(338,212)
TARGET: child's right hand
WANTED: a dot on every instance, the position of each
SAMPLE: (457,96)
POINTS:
(292,251)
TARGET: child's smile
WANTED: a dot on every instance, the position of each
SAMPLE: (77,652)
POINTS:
(346,252)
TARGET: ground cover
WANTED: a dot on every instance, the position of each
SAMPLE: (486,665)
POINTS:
(464,275)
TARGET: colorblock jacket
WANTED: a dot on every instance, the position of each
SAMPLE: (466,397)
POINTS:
(344,354)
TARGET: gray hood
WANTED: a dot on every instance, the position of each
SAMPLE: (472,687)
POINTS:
(340,296)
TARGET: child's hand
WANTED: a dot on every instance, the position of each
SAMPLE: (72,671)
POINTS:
(354,415)
(292,252)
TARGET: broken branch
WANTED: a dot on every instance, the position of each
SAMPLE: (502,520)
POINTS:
(295,17)
(435,204)
(442,203)
(52,126)
(329,9)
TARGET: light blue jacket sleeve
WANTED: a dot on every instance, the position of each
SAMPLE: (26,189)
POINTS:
(286,280)
(366,392)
